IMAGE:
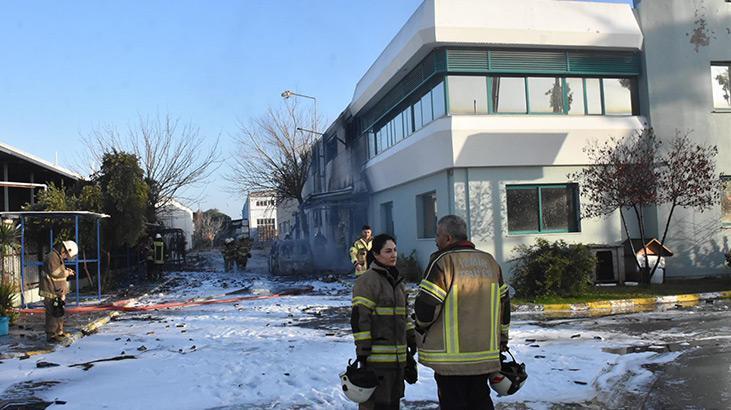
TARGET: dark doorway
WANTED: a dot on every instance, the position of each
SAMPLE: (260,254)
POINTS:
(604,266)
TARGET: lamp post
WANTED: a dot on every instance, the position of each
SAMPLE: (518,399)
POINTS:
(286,94)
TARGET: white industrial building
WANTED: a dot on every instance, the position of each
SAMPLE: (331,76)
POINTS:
(482,108)
(260,210)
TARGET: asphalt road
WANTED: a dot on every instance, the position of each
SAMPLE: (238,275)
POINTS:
(700,378)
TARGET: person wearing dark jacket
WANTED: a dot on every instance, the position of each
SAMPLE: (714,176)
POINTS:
(462,318)
(382,329)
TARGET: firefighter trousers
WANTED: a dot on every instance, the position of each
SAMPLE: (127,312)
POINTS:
(464,392)
(54,325)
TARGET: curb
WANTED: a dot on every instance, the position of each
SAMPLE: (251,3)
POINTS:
(623,304)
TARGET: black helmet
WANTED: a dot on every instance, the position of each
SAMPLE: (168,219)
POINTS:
(358,383)
(510,378)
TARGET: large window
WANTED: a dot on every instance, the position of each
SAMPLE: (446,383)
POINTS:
(726,201)
(467,95)
(721,86)
(617,96)
(426,210)
(575,96)
(545,95)
(508,95)
(542,208)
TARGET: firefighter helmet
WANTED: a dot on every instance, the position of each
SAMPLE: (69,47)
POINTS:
(71,248)
(358,383)
(510,378)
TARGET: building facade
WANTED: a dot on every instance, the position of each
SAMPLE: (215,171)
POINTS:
(260,211)
(483,109)
(178,216)
(687,58)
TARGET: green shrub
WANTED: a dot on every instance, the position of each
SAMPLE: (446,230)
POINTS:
(552,269)
(7,300)
(408,266)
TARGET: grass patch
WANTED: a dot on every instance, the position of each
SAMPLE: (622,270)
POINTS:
(676,287)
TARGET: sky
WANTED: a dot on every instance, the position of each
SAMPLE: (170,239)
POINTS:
(69,68)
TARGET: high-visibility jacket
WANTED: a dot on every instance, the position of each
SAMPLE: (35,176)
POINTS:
(382,328)
(53,277)
(463,312)
(158,252)
(358,254)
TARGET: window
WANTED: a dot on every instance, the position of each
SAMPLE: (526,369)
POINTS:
(617,96)
(721,86)
(542,208)
(426,109)
(418,123)
(545,95)
(426,210)
(726,201)
(387,218)
(508,95)
(575,96)
(331,149)
(467,95)
(438,101)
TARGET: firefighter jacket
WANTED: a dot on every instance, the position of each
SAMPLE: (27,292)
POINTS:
(158,252)
(230,251)
(358,254)
(53,277)
(381,326)
(462,312)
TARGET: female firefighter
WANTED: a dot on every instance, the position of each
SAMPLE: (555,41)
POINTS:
(382,328)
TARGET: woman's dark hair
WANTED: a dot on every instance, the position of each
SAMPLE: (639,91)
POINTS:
(379,241)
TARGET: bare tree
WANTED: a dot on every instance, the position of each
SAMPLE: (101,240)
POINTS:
(274,154)
(206,226)
(633,174)
(173,155)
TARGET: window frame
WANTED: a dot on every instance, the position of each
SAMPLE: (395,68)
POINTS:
(576,199)
(420,220)
(726,64)
(725,179)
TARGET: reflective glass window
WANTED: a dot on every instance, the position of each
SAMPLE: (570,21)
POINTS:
(545,95)
(721,87)
(575,96)
(509,94)
(617,96)
(593,96)
(426,109)
(467,95)
(438,102)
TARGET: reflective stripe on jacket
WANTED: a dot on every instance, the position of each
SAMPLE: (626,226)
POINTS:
(464,293)
(53,277)
(158,252)
(358,254)
(382,328)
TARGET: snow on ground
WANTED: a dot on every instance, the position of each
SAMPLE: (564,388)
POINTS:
(263,354)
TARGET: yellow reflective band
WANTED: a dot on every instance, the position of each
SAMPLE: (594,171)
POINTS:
(387,358)
(360,300)
(360,273)
(505,328)
(495,319)
(390,311)
(451,317)
(362,336)
(503,289)
(493,323)
(388,349)
(437,357)
(434,290)
(410,325)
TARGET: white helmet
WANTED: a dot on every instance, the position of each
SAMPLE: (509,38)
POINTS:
(510,378)
(358,383)
(228,240)
(158,236)
(71,248)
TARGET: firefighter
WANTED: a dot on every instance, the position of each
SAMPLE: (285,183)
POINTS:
(243,254)
(53,288)
(359,250)
(229,254)
(382,329)
(462,318)
(158,257)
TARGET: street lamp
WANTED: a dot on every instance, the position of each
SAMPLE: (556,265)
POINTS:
(286,94)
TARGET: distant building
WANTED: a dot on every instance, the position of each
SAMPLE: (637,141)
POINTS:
(178,216)
(260,210)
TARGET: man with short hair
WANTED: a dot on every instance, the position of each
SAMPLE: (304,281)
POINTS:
(463,317)
(360,249)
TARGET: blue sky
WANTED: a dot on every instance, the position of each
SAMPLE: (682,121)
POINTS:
(70,67)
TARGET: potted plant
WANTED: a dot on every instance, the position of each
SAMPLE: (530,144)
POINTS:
(7,301)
